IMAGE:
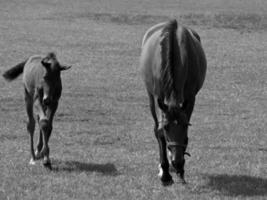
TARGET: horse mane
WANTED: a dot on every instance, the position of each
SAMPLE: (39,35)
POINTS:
(170,58)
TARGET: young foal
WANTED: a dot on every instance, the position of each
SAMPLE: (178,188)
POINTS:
(42,87)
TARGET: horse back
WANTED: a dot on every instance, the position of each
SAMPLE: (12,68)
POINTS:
(195,60)
(150,60)
(152,30)
(191,55)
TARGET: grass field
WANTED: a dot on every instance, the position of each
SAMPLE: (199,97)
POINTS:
(102,145)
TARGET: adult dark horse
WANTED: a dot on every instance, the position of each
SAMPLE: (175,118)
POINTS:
(173,66)
(42,87)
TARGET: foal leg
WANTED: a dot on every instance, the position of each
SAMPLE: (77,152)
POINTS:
(164,174)
(30,123)
(46,128)
(39,145)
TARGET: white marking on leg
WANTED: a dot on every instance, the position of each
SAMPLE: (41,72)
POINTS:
(37,154)
(169,154)
(32,162)
(43,117)
(160,170)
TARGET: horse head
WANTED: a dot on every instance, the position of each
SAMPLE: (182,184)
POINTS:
(175,130)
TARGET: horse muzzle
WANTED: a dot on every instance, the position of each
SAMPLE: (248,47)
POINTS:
(178,165)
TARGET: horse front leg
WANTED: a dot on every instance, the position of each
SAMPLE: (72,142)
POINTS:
(46,127)
(164,174)
(39,145)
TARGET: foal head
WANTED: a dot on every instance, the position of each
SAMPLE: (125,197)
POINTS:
(51,83)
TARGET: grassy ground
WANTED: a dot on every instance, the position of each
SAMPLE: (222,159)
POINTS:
(102,145)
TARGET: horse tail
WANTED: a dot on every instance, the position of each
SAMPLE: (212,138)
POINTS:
(169,56)
(14,72)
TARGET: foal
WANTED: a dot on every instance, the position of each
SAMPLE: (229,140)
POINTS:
(42,88)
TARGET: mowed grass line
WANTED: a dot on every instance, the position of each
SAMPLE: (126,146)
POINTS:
(103,146)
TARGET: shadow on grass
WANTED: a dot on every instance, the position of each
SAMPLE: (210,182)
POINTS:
(238,185)
(76,166)
(262,149)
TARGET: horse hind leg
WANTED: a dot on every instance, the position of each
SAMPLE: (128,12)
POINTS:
(30,124)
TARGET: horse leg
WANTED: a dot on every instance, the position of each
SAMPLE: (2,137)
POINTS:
(46,129)
(30,123)
(39,146)
(164,174)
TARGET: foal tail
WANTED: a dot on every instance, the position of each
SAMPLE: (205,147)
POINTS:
(14,72)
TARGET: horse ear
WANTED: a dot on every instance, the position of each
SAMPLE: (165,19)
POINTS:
(62,68)
(45,62)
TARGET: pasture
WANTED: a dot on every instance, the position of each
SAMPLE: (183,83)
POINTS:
(103,145)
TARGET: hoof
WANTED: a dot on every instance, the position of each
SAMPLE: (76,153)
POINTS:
(167,182)
(48,166)
(182,181)
(38,155)
(32,162)
(166,179)
(47,163)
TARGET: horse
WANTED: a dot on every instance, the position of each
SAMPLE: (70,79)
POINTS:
(42,91)
(173,67)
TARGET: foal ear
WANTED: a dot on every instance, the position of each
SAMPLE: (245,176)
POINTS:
(62,67)
(45,62)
